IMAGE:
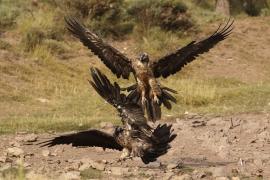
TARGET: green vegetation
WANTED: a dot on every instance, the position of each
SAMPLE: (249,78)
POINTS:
(44,71)
(91,174)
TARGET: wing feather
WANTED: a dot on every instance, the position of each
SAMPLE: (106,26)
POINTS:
(117,62)
(88,138)
(174,62)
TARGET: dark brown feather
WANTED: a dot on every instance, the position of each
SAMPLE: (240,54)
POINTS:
(88,138)
(174,62)
(117,62)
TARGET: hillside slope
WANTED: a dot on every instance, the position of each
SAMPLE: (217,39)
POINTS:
(41,91)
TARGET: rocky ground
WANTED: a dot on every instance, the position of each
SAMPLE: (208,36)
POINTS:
(231,147)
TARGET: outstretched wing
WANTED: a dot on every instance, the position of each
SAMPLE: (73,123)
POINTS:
(88,138)
(111,57)
(128,110)
(174,62)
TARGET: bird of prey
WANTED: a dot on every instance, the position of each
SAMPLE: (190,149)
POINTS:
(150,92)
(131,113)
(133,143)
(136,138)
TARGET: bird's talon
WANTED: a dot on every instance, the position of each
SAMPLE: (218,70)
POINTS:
(156,99)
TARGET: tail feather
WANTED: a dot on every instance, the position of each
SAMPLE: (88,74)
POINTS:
(153,109)
(161,138)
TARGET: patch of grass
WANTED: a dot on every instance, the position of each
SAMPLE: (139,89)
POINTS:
(9,12)
(154,40)
(91,174)
(5,45)
(38,26)
(17,173)
(219,97)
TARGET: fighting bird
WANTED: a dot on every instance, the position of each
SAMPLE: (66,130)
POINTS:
(136,138)
(147,91)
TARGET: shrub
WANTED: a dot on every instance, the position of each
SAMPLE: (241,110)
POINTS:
(4,45)
(39,26)
(57,48)
(8,14)
(32,38)
(167,14)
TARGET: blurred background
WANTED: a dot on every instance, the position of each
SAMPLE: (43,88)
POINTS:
(44,70)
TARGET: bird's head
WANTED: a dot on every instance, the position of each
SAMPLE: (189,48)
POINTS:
(144,58)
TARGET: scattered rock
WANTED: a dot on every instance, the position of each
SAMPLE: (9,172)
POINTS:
(3,159)
(45,153)
(198,123)
(84,166)
(172,166)
(199,174)
(15,144)
(98,166)
(182,177)
(15,152)
(30,138)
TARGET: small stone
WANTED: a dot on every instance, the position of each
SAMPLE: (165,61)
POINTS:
(182,177)
(98,166)
(30,138)
(15,144)
(74,166)
(45,153)
(235,178)
(3,159)
(104,161)
(84,166)
(172,166)
(199,174)
(15,152)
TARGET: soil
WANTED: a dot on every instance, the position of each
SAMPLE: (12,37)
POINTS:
(205,147)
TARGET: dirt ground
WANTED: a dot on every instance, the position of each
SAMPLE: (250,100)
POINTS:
(236,147)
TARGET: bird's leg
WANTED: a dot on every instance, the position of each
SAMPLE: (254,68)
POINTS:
(156,99)
(155,88)
(144,100)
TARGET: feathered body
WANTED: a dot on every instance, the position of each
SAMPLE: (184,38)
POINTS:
(136,138)
(147,91)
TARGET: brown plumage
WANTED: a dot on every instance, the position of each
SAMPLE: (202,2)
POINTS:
(133,143)
(136,138)
(147,90)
